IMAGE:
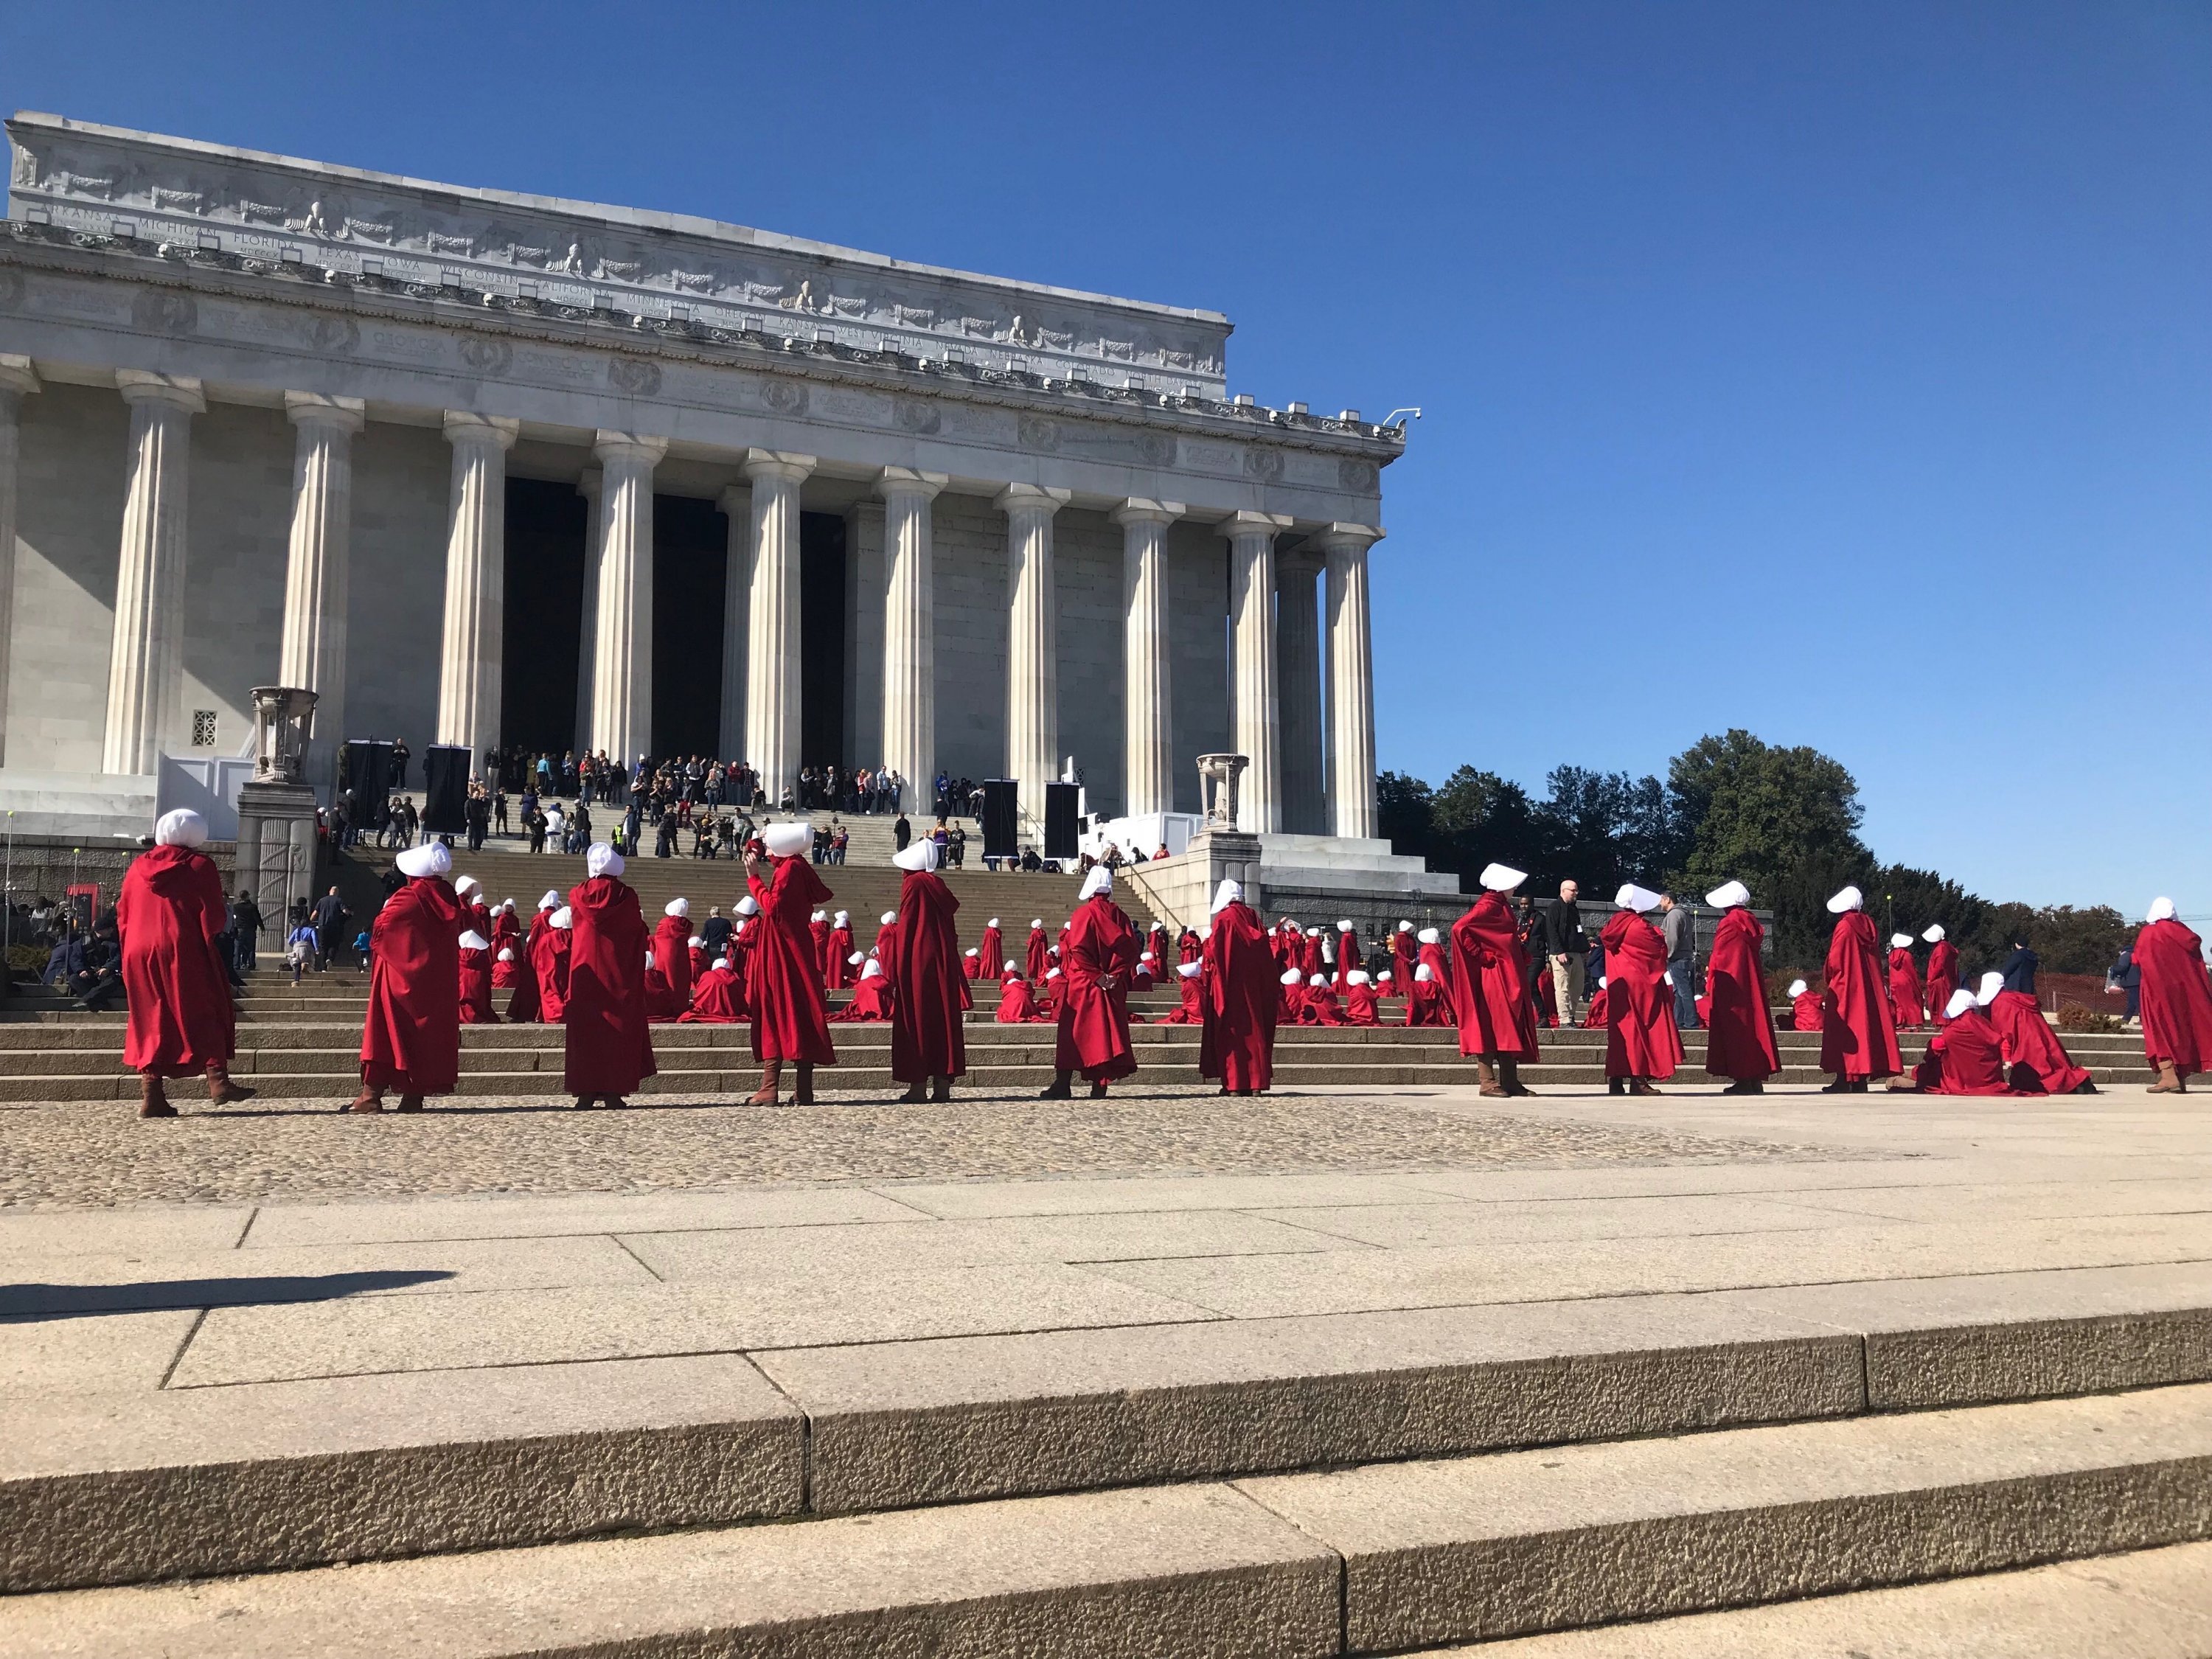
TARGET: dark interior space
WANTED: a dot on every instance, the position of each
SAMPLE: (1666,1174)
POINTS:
(543,624)
(691,571)
(822,640)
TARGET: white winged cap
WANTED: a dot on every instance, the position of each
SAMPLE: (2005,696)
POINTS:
(888,918)
(1961,1000)
(1992,987)
(603,861)
(1191,969)
(1100,880)
(434,859)
(1797,988)
(787,841)
(2161,909)
(748,905)
(551,901)
(1729,895)
(1292,977)
(182,827)
(472,940)
(1427,936)
(677,906)
(1229,892)
(1501,877)
(1850,899)
(564,917)
(1934,934)
(1638,899)
(1901,941)
(920,856)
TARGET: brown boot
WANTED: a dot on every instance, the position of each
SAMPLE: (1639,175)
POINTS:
(368,1100)
(221,1090)
(2169,1080)
(153,1098)
(410,1103)
(1488,1074)
(771,1076)
(940,1090)
(1637,1085)
(1509,1073)
(803,1094)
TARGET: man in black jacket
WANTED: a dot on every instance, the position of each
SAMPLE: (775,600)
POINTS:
(1564,942)
(246,924)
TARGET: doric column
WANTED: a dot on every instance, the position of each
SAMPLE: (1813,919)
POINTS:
(1351,680)
(772,627)
(736,503)
(470,661)
(1298,645)
(589,486)
(1032,645)
(145,666)
(621,661)
(313,654)
(1253,715)
(1147,696)
(910,628)
(17,380)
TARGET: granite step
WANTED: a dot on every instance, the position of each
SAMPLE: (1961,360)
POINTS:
(1377,1558)
(230,1477)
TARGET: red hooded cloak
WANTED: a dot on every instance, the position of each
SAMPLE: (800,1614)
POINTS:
(1237,1003)
(1740,1030)
(411,1040)
(1094,1016)
(169,912)
(1858,1032)
(1905,993)
(2175,999)
(790,1017)
(1640,1038)
(609,1048)
(929,993)
(1490,992)
(1966,1057)
(2039,1062)
(1942,979)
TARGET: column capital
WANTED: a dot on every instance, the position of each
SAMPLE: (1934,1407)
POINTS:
(139,387)
(17,374)
(1341,538)
(465,427)
(312,409)
(735,500)
(905,481)
(784,466)
(1137,510)
(1254,524)
(1303,560)
(1031,498)
(590,481)
(608,448)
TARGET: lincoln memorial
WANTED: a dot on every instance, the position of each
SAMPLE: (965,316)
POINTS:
(489,469)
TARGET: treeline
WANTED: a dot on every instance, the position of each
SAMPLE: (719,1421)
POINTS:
(1784,821)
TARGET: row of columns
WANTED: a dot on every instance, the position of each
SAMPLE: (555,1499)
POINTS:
(1284,682)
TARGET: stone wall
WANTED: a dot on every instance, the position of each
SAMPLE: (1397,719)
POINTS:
(396,601)
(48,865)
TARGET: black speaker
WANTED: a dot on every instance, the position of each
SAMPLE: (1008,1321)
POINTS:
(1060,831)
(1002,819)
(446,790)
(366,766)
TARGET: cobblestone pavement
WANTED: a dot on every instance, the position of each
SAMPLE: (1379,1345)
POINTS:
(86,1155)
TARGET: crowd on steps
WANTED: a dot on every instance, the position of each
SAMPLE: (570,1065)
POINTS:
(588,960)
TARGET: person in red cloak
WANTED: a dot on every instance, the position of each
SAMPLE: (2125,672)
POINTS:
(476,915)
(1804,1007)
(1322,1007)
(1290,998)
(671,955)
(1190,986)
(1966,1057)
(1237,1002)
(1598,1017)
(1387,984)
(1189,946)
(1858,1030)
(886,926)
(817,924)
(1642,1042)
(474,972)
(523,1008)
(410,1039)
(929,994)
(1050,990)
(1311,960)
(505,974)
(1360,1008)
(181,1018)
(1037,954)
(1942,972)
(971,963)
(991,954)
(874,1002)
(840,973)
(2037,1061)
(1425,1002)
(1429,952)
(2175,1001)
(1905,992)
(1490,992)
(1093,1035)
(715,998)
(1347,952)
(790,1015)
(1018,1004)
(1739,1026)
(695,951)
(1403,958)
(1548,1000)
(609,1049)
(506,928)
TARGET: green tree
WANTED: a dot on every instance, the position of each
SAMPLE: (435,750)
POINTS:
(1481,818)
(1405,811)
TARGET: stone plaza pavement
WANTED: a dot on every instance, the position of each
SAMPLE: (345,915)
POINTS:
(1172,1374)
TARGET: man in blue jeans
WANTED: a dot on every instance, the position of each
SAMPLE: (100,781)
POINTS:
(1682,936)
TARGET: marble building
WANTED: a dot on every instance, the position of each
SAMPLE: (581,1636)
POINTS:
(485,468)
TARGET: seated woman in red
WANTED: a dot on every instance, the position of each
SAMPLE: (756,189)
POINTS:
(1188,981)
(1018,1004)
(717,998)
(1425,1003)
(1321,1006)
(871,998)
(1805,1006)
(1966,1057)
(1359,1005)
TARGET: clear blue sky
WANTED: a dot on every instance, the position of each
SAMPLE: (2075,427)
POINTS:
(1839,372)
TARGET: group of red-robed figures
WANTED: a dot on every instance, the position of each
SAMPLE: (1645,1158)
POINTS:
(181,1023)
